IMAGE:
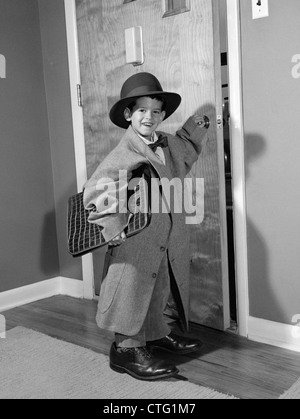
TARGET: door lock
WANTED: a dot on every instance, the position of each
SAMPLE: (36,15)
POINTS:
(220,121)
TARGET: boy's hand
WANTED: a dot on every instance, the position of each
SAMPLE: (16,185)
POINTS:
(119,239)
(203,121)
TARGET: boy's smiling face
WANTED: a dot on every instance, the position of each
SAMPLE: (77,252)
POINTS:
(146,115)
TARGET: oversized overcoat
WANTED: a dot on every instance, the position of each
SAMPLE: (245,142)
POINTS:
(132,268)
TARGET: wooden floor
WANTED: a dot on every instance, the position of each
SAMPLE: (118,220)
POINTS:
(227,363)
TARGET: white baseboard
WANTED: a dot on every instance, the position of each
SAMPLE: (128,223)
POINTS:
(41,290)
(71,287)
(275,334)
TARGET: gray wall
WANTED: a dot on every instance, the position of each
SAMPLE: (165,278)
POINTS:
(55,55)
(272,142)
(27,213)
(37,157)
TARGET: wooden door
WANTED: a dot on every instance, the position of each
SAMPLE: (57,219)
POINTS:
(183,52)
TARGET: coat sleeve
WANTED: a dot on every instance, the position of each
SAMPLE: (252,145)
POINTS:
(105,196)
(193,138)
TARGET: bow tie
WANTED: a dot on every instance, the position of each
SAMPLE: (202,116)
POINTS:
(161,142)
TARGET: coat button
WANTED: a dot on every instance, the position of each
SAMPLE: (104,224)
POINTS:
(154,275)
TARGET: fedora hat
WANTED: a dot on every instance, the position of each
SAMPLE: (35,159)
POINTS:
(139,85)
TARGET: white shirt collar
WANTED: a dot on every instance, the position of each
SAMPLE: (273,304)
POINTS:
(153,139)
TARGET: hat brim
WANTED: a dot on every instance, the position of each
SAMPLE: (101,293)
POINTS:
(116,113)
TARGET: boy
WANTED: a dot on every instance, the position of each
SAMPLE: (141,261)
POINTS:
(142,270)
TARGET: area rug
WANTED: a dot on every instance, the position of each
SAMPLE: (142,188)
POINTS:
(36,366)
(292,393)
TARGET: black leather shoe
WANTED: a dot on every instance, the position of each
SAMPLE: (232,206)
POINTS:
(140,364)
(176,344)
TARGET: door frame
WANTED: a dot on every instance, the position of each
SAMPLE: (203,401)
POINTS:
(238,163)
(78,131)
(237,138)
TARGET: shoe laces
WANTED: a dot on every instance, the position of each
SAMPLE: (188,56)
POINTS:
(141,350)
(144,352)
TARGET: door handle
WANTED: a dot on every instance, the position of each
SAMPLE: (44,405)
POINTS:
(205,122)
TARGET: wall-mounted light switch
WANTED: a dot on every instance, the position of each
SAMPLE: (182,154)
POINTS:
(260,8)
(134,46)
